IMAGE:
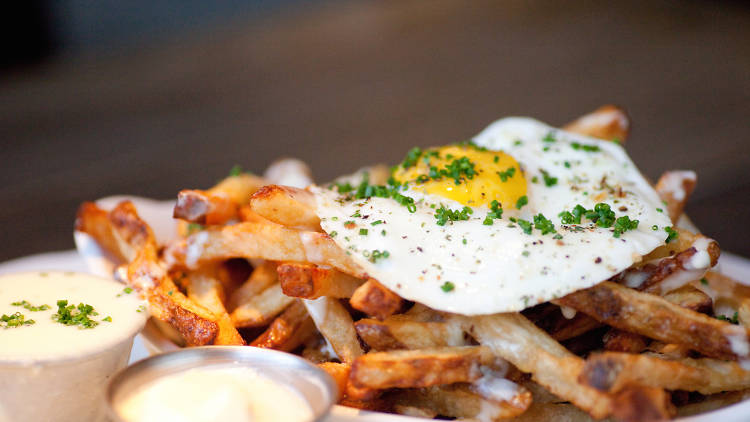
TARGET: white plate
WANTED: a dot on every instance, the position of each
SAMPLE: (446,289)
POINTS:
(158,214)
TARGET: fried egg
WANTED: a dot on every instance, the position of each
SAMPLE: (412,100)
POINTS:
(523,214)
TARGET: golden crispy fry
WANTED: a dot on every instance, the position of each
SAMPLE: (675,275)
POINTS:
(668,273)
(612,371)
(239,188)
(288,331)
(668,351)
(685,240)
(419,368)
(195,323)
(642,404)
(516,339)
(730,292)
(207,292)
(462,401)
(261,309)
(202,207)
(129,228)
(312,281)
(376,300)
(674,188)
(120,232)
(260,279)
(94,221)
(339,372)
(405,332)
(261,239)
(608,122)
(336,325)
(622,341)
(136,241)
(691,298)
(654,317)
(285,205)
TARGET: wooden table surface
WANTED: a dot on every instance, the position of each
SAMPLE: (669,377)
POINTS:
(341,84)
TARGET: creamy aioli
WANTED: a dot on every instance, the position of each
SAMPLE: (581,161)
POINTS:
(46,339)
(215,393)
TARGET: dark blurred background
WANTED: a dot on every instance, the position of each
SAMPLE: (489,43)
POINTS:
(147,97)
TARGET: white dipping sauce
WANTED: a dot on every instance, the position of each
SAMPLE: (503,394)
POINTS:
(55,372)
(47,339)
(215,393)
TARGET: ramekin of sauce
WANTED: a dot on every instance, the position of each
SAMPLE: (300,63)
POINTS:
(221,383)
(62,336)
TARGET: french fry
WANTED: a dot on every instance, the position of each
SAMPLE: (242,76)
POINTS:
(667,273)
(94,221)
(288,331)
(623,341)
(285,205)
(336,325)
(516,339)
(376,300)
(656,318)
(312,281)
(684,240)
(238,188)
(339,372)
(642,404)
(729,291)
(613,371)
(176,310)
(419,368)
(260,239)
(404,332)
(608,122)
(195,323)
(202,207)
(691,298)
(262,277)
(461,401)
(261,309)
(669,351)
(674,188)
(207,292)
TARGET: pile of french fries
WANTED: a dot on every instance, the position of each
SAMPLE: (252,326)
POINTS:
(253,267)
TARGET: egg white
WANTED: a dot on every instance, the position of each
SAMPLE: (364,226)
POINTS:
(499,268)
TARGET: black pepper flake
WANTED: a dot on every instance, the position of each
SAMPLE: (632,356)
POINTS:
(598,260)
(419,248)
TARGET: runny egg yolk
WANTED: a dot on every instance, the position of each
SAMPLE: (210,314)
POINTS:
(464,173)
